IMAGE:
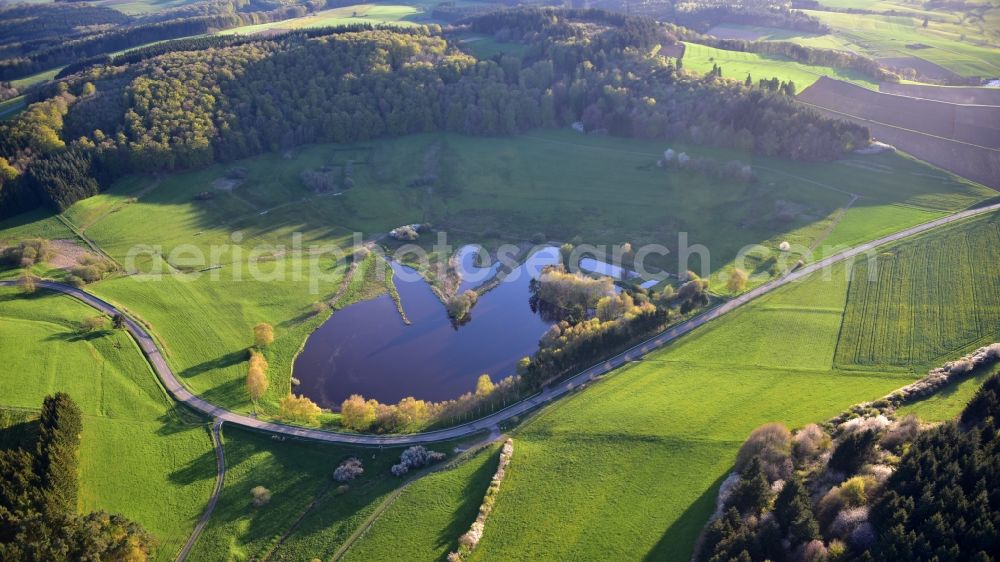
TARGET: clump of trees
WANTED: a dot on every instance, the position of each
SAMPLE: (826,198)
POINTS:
(733,170)
(257,381)
(348,470)
(415,457)
(299,409)
(866,486)
(460,305)
(38,499)
(89,269)
(410,414)
(260,496)
(27,253)
(572,294)
(263,335)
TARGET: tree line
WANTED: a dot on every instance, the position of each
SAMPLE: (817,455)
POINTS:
(185,109)
(38,499)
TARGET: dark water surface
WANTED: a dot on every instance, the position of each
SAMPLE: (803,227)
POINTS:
(366,349)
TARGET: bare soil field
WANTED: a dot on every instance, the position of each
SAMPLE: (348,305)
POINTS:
(952,94)
(963,139)
(923,67)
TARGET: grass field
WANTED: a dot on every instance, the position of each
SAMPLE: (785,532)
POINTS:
(445,503)
(138,455)
(494,189)
(737,65)
(486,47)
(925,300)
(395,14)
(307,517)
(886,36)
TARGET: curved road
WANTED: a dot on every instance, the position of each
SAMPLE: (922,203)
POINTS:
(182,394)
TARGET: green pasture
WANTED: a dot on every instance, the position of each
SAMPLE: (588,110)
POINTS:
(139,455)
(737,65)
(374,14)
(445,503)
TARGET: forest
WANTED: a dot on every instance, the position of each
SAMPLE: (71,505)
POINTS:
(38,498)
(188,108)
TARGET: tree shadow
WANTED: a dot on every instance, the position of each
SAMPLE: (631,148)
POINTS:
(19,435)
(680,539)
(201,468)
(227,360)
(472,498)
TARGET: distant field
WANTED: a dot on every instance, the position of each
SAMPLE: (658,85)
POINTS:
(925,300)
(138,455)
(737,65)
(485,47)
(395,14)
(884,36)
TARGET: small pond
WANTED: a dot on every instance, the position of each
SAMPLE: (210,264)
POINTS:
(367,349)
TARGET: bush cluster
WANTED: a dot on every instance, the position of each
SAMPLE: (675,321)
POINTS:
(415,457)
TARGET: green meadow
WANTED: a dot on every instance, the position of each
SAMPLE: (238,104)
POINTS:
(139,454)
(737,65)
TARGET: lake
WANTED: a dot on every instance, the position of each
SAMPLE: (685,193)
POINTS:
(367,349)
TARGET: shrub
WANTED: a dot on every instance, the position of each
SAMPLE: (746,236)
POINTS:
(848,520)
(771,443)
(812,551)
(261,496)
(784,246)
(27,253)
(415,457)
(348,470)
(737,280)
(853,451)
(460,305)
(320,307)
(903,431)
(356,413)
(92,323)
(91,269)
(299,409)
(809,442)
(263,335)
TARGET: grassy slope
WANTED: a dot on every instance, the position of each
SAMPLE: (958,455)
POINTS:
(737,65)
(556,180)
(445,503)
(296,474)
(138,456)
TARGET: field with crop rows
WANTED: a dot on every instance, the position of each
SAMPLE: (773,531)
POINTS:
(925,299)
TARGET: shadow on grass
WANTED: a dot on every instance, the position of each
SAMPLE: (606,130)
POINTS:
(201,468)
(227,360)
(680,539)
(472,498)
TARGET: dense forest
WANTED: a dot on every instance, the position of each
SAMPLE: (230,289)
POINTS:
(39,37)
(188,108)
(38,499)
(868,488)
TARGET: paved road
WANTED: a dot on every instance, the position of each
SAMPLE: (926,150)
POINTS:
(182,394)
(220,478)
